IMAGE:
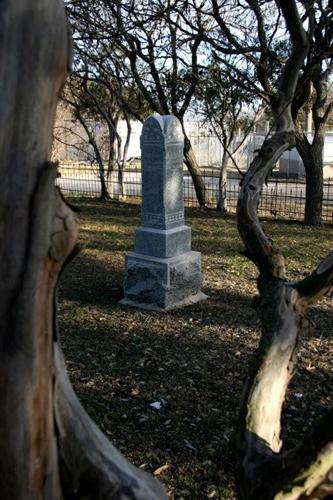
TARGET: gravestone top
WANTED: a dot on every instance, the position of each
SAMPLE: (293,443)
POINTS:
(161,129)
(162,145)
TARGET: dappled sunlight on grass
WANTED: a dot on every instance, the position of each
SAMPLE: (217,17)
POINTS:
(192,360)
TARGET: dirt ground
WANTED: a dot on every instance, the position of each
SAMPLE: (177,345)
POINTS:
(192,361)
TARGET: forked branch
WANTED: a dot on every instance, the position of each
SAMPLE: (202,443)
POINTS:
(264,472)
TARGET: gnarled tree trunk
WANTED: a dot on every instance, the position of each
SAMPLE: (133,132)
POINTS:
(264,471)
(50,449)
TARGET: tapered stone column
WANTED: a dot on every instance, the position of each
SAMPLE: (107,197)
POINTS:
(162,273)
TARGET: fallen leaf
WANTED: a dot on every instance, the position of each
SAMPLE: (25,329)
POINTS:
(161,469)
(212,494)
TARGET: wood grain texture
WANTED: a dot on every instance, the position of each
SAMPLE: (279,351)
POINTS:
(264,470)
(38,235)
(34,64)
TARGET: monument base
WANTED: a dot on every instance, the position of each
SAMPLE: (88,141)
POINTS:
(162,284)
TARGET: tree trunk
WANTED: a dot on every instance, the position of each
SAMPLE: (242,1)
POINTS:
(312,157)
(34,73)
(98,156)
(264,472)
(119,165)
(122,189)
(111,162)
(50,449)
(111,156)
(193,167)
(101,174)
(222,201)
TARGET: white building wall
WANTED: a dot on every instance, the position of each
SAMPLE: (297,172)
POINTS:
(206,146)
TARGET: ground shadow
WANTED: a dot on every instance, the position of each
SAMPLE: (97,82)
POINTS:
(90,281)
(191,361)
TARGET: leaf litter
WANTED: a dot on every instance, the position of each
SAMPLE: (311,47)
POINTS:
(193,361)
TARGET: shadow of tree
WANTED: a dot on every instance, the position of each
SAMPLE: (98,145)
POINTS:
(99,282)
(193,361)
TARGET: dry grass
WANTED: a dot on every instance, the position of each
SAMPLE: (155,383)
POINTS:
(192,360)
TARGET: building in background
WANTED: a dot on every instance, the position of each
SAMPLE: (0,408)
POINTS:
(72,146)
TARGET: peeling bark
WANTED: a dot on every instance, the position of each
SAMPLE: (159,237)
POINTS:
(34,73)
(264,470)
(47,441)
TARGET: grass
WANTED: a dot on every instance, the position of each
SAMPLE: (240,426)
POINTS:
(192,360)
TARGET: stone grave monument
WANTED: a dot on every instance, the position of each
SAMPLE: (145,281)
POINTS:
(163,272)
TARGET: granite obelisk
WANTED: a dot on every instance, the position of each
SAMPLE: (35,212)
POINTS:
(162,273)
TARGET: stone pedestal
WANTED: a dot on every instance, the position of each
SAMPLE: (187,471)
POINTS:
(162,273)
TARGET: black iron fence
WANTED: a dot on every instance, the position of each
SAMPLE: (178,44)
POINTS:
(281,198)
